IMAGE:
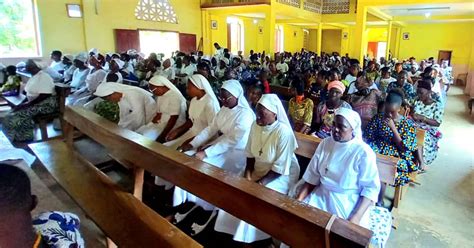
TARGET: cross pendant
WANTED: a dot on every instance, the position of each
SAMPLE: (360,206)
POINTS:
(260,152)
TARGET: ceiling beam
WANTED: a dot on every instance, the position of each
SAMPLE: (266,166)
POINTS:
(378,13)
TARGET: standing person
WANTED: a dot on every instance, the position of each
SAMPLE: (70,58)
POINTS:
(219,51)
(170,109)
(271,162)
(392,134)
(342,178)
(40,99)
(428,115)
(227,151)
(136,105)
(324,116)
(300,108)
(82,70)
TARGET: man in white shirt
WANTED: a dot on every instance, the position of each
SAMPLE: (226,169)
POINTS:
(187,70)
(57,63)
(219,51)
(282,67)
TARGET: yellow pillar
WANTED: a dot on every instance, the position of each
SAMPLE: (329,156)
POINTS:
(389,38)
(360,36)
(319,39)
(269,31)
(206,33)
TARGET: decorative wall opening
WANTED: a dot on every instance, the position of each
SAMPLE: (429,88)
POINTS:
(155,10)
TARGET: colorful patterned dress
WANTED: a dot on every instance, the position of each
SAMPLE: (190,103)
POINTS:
(433,111)
(325,117)
(379,137)
(58,229)
(301,113)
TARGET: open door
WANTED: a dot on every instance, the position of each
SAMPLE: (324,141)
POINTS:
(444,55)
(187,43)
(126,39)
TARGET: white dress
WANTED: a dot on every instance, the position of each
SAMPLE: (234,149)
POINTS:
(136,109)
(168,73)
(226,151)
(168,104)
(342,172)
(40,83)
(277,144)
(79,78)
(93,79)
(201,112)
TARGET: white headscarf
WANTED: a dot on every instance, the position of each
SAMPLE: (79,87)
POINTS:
(162,81)
(94,51)
(354,120)
(81,57)
(233,87)
(106,89)
(226,61)
(70,57)
(40,64)
(120,63)
(201,83)
(273,104)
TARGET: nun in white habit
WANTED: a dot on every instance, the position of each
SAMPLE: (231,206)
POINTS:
(221,144)
(201,112)
(137,106)
(271,162)
(342,178)
(170,109)
(80,74)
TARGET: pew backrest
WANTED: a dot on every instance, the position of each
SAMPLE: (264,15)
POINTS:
(295,223)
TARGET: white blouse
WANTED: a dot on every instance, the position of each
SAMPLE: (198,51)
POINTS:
(79,78)
(136,109)
(94,78)
(234,124)
(40,83)
(342,172)
(201,112)
(272,147)
(170,104)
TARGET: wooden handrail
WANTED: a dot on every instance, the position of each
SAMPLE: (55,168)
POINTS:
(296,224)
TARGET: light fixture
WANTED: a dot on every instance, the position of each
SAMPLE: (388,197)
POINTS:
(427,14)
(255,21)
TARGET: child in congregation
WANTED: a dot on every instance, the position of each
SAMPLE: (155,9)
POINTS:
(385,80)
(12,85)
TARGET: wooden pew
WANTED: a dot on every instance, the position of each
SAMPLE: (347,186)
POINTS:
(14,101)
(122,217)
(304,226)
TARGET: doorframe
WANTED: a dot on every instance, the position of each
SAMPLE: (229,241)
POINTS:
(450,56)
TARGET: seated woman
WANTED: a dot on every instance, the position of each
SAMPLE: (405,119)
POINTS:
(170,109)
(385,80)
(115,65)
(19,125)
(402,82)
(136,106)
(94,78)
(324,116)
(300,108)
(272,163)
(392,134)
(342,177)
(204,69)
(81,72)
(428,115)
(253,94)
(220,70)
(221,144)
(365,100)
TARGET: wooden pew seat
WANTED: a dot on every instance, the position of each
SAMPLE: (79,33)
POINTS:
(122,217)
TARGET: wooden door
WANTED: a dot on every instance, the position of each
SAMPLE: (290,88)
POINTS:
(229,37)
(444,55)
(187,42)
(372,48)
(126,39)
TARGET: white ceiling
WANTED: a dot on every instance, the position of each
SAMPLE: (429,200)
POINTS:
(433,9)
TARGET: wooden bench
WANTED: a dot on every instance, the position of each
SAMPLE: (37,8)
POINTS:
(304,226)
(122,217)
(14,101)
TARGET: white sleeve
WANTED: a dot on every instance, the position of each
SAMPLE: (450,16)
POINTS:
(230,140)
(174,105)
(368,177)
(311,175)
(206,134)
(284,154)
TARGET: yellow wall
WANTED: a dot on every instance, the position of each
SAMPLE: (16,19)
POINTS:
(313,40)
(331,41)
(427,39)
(293,38)
(57,30)
(253,39)
(67,34)
(377,35)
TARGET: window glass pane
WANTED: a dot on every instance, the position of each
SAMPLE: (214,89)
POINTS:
(17,29)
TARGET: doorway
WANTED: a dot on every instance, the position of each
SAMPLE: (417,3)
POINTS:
(159,42)
(444,55)
(376,50)
(235,35)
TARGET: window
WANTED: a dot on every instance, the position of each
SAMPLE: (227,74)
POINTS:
(158,42)
(18,30)
(155,10)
